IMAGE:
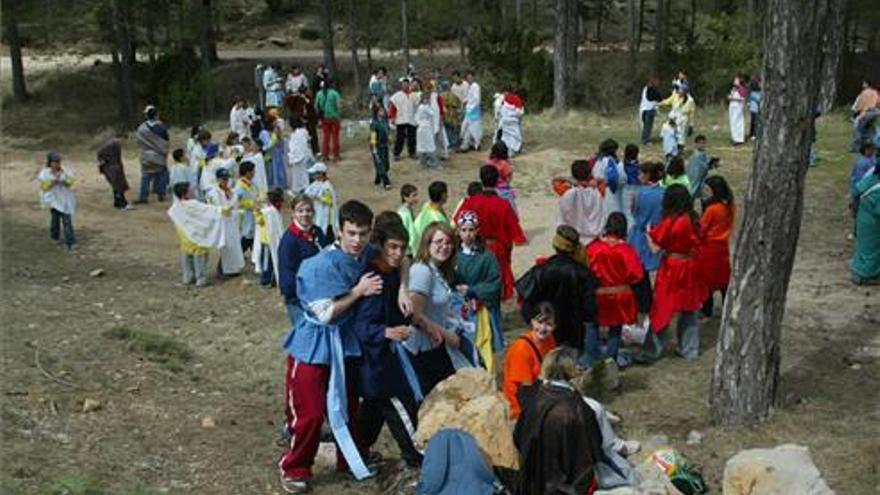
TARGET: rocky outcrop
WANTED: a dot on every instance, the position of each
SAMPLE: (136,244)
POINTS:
(784,470)
(468,401)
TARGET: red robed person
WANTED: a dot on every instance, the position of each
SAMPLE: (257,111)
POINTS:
(499,225)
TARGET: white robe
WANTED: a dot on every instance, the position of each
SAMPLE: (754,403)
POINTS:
(509,122)
(299,159)
(736,117)
(425,120)
(203,224)
(59,197)
(582,208)
(406,107)
(472,124)
(231,257)
(326,205)
(275,227)
(612,201)
(442,143)
(239,122)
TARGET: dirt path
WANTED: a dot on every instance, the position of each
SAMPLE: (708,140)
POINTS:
(215,352)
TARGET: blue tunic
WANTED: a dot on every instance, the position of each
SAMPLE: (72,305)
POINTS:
(648,211)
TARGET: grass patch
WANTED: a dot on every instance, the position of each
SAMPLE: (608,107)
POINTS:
(154,347)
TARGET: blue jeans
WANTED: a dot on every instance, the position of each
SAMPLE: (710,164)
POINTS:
(294,312)
(595,349)
(647,125)
(59,221)
(160,184)
(688,331)
(451,135)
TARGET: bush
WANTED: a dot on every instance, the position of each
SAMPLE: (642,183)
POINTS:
(309,34)
(538,80)
(181,86)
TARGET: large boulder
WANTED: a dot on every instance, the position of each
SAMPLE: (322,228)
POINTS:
(468,401)
(784,470)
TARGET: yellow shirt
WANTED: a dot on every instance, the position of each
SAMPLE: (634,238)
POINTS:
(189,247)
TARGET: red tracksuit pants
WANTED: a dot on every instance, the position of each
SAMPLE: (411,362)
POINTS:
(305,405)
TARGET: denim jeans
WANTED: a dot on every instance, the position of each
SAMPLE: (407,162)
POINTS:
(595,349)
(381,165)
(451,135)
(688,331)
(647,125)
(195,269)
(267,272)
(159,181)
(59,221)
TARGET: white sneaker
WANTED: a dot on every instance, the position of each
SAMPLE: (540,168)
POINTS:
(629,448)
(294,486)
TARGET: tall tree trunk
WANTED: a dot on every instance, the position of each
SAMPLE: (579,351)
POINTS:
(19,89)
(404,36)
(329,51)
(150,31)
(565,54)
(208,36)
(122,37)
(692,31)
(633,29)
(600,15)
(518,10)
(353,44)
(746,373)
(832,50)
(660,37)
(370,36)
(641,25)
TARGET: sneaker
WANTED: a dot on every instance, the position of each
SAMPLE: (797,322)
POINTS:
(127,208)
(387,187)
(284,436)
(294,486)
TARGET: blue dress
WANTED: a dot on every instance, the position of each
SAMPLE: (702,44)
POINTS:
(648,211)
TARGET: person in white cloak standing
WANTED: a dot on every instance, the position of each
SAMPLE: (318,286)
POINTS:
(426,143)
(581,204)
(231,256)
(299,157)
(56,186)
(270,228)
(326,201)
(440,139)
(253,154)
(239,120)
(609,169)
(199,227)
(509,110)
(735,111)
(472,123)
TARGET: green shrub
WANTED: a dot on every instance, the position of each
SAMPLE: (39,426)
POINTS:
(309,34)
(154,347)
(180,85)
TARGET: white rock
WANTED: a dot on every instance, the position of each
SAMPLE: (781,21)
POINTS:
(694,438)
(786,469)
(209,423)
(98,272)
(90,405)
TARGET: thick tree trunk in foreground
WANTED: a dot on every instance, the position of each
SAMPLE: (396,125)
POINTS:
(565,54)
(746,373)
(19,90)
(329,51)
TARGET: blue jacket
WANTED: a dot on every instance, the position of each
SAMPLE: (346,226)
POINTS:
(380,370)
(292,250)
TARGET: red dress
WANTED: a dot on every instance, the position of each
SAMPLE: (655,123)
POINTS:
(616,264)
(679,286)
(714,254)
(500,228)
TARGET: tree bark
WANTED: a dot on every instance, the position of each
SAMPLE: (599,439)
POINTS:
(565,54)
(660,37)
(329,51)
(125,72)
(404,36)
(746,373)
(633,33)
(353,44)
(832,50)
(369,36)
(641,25)
(208,35)
(19,89)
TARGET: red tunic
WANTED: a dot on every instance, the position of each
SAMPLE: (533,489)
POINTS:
(714,254)
(616,264)
(679,286)
(500,228)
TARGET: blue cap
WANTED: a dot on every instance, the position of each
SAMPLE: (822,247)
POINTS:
(53,156)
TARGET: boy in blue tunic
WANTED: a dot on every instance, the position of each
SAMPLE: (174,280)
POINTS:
(323,350)
(380,327)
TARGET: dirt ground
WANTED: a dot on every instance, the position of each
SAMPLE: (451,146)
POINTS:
(160,357)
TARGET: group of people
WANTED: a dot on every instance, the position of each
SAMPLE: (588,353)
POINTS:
(865,186)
